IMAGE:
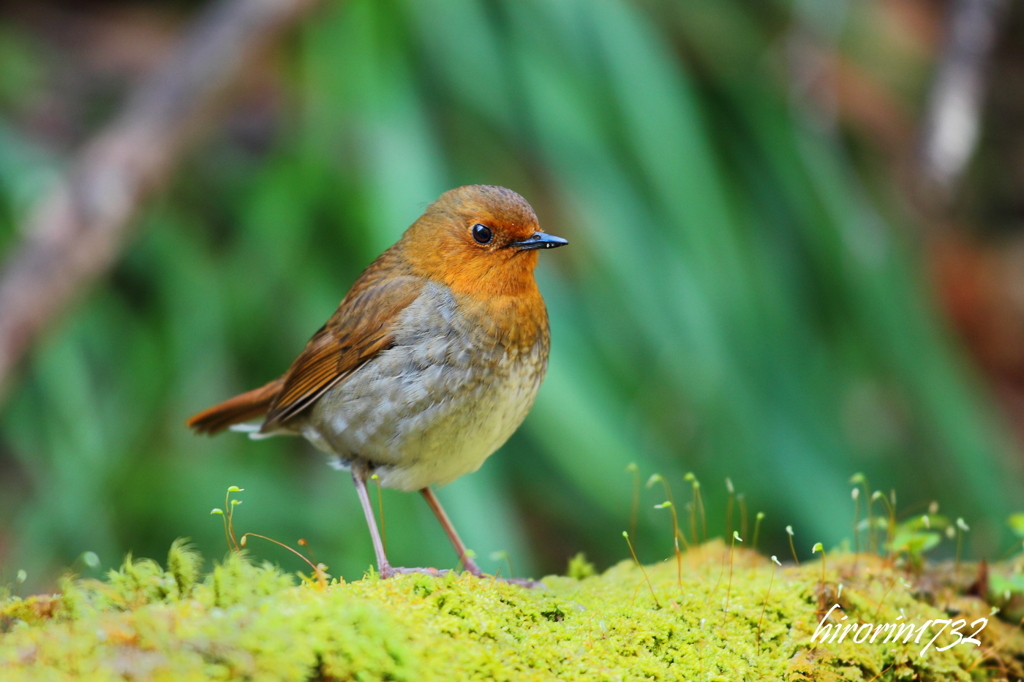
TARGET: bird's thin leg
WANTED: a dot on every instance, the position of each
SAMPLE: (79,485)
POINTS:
(383,566)
(449,529)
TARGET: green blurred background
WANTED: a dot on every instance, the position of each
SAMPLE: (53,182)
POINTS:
(752,290)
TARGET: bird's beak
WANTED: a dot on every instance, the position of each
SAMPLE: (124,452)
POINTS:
(540,240)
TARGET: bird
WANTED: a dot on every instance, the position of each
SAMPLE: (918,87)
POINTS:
(429,364)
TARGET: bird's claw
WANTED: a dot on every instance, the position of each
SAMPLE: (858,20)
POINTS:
(523,582)
(392,571)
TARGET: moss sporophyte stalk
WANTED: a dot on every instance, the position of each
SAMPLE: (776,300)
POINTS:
(253,621)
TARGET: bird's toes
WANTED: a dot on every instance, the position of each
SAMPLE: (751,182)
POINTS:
(391,571)
(524,582)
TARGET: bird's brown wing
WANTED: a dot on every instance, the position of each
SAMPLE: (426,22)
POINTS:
(362,327)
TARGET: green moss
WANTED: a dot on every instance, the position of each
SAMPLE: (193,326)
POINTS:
(244,621)
(579,568)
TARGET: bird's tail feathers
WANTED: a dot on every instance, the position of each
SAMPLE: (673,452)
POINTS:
(234,411)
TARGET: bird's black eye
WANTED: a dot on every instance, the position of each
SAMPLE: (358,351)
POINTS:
(482,234)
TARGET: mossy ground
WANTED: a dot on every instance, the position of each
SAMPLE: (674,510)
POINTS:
(251,622)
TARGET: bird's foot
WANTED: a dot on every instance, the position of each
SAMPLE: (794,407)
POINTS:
(471,567)
(392,571)
(389,571)
(522,582)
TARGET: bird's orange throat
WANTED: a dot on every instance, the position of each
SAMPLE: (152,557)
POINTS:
(519,320)
(503,293)
(511,274)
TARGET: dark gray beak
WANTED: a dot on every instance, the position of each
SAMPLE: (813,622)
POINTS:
(540,240)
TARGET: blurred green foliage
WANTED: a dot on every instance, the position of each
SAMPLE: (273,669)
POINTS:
(734,302)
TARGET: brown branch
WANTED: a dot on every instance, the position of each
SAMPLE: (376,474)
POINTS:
(77,231)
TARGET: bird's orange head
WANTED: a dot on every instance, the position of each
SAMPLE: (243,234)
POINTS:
(479,240)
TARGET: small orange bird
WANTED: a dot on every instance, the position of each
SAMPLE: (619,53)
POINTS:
(431,361)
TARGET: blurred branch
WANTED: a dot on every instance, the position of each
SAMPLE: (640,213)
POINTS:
(76,232)
(955,102)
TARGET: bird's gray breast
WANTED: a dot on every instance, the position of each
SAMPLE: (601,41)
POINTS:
(435,405)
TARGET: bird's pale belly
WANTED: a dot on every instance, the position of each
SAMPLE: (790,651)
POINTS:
(433,407)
